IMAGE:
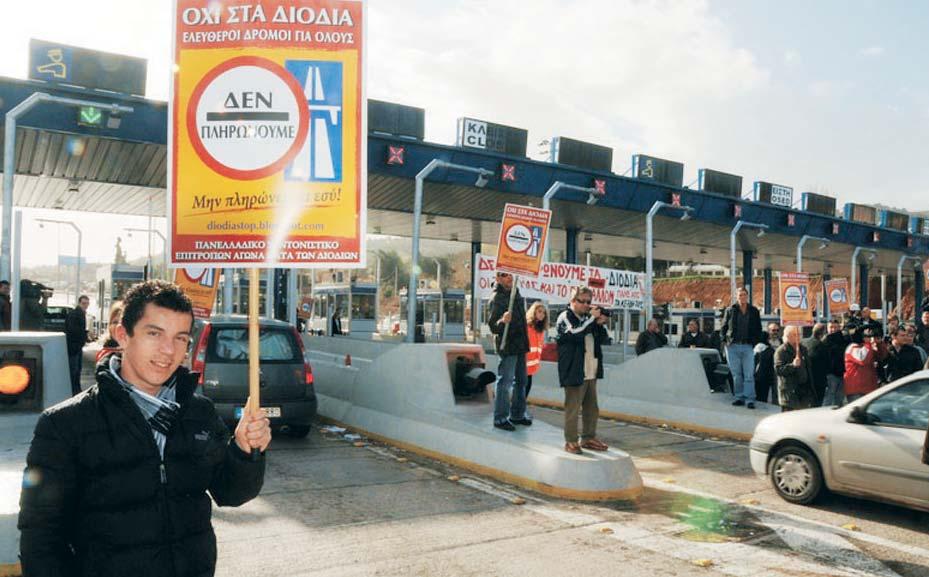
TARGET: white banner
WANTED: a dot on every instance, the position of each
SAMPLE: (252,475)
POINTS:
(615,289)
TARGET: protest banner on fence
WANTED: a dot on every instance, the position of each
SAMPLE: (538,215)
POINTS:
(621,289)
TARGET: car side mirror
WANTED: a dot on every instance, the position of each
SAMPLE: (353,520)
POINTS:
(859,415)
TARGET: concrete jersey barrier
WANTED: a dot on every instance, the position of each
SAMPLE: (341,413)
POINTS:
(666,386)
(402,394)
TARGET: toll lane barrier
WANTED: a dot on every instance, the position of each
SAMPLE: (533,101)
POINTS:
(664,387)
(404,394)
(33,377)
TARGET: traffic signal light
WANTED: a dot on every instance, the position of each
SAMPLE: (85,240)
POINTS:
(20,378)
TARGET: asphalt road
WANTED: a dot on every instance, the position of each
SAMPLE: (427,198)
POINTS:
(332,508)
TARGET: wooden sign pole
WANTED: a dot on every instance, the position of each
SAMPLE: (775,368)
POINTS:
(254,348)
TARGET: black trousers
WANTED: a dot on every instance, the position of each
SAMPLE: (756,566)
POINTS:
(74,364)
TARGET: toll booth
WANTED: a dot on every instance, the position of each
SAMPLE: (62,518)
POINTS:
(112,283)
(358,303)
(449,326)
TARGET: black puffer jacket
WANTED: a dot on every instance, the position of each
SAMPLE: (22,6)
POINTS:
(98,499)
(517,338)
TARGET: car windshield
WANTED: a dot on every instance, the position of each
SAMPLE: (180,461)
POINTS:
(231,344)
(906,406)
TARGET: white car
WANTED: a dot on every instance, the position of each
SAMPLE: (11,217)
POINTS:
(869,448)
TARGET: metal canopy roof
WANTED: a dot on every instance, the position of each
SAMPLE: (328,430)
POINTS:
(60,164)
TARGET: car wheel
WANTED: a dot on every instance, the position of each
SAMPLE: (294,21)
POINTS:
(298,431)
(796,475)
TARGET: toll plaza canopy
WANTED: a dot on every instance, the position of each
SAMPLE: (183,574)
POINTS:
(118,165)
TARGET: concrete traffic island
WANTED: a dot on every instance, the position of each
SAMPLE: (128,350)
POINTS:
(403,394)
(664,387)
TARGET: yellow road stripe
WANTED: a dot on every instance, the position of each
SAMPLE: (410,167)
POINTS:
(721,433)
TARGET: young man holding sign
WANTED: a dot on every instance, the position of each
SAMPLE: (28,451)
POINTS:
(117,477)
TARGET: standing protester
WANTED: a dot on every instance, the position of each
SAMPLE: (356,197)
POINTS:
(911,340)
(694,338)
(110,344)
(868,322)
(742,331)
(836,343)
(650,339)
(117,478)
(580,364)
(820,362)
(861,360)
(6,307)
(335,323)
(902,359)
(76,335)
(765,377)
(922,330)
(537,324)
(511,372)
(794,374)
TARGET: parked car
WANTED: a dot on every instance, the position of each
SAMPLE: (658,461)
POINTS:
(869,448)
(55,317)
(220,355)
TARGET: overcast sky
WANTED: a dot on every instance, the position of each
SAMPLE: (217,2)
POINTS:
(829,96)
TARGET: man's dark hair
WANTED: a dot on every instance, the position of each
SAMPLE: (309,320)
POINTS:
(819,331)
(4,283)
(83,297)
(157,292)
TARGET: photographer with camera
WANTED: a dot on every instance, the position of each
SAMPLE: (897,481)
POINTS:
(581,334)
(33,304)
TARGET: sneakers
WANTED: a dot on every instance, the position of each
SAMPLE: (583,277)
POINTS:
(738,403)
(524,422)
(505,425)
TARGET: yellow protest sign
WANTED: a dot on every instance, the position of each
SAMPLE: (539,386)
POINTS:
(200,286)
(796,307)
(523,234)
(266,140)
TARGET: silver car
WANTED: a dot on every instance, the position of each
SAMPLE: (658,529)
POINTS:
(869,448)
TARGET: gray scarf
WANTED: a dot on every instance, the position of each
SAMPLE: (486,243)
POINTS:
(160,411)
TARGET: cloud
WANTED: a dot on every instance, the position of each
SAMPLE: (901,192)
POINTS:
(872,51)
(627,74)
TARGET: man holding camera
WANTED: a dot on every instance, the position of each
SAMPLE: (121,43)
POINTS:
(34,303)
(580,363)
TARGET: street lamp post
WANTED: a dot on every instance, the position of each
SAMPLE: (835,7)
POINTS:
(482,178)
(9,155)
(824,243)
(438,276)
(552,191)
(903,259)
(732,250)
(649,251)
(854,273)
(77,275)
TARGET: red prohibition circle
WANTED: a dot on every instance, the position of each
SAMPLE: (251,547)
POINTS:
(303,126)
(507,234)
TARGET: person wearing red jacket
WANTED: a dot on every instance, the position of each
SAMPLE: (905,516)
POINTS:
(861,360)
